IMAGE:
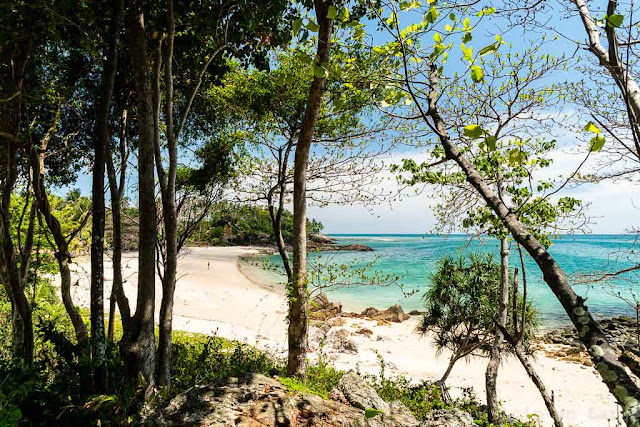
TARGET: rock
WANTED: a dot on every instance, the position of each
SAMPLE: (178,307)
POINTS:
(448,418)
(336,322)
(392,314)
(364,331)
(416,313)
(257,400)
(322,309)
(402,414)
(339,340)
(360,394)
(337,395)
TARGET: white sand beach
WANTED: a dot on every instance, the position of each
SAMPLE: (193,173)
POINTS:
(213,296)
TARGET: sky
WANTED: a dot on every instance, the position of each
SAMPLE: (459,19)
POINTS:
(611,206)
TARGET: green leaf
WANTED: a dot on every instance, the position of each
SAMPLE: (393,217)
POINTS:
(370,412)
(490,143)
(516,157)
(437,38)
(473,131)
(488,49)
(596,143)
(615,20)
(297,24)
(466,38)
(590,127)
(344,14)
(313,27)
(467,52)
(432,15)
(448,28)
(477,75)
(319,72)
(332,12)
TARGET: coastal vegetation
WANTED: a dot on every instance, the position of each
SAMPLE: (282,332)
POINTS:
(216,123)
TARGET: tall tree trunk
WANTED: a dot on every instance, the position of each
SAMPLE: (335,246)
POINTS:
(12,276)
(62,255)
(495,357)
(298,293)
(138,345)
(604,357)
(109,67)
(116,190)
(170,216)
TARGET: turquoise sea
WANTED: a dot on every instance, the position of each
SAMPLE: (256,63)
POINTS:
(414,257)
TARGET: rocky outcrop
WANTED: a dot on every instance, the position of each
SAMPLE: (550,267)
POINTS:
(392,314)
(319,242)
(257,400)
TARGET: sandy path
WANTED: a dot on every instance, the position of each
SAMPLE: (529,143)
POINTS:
(213,296)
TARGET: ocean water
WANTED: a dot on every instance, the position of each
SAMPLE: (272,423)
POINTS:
(414,257)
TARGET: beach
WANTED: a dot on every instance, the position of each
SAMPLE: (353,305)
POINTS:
(214,296)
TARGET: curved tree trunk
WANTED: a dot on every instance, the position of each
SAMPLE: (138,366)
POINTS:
(298,292)
(139,345)
(62,255)
(495,357)
(604,357)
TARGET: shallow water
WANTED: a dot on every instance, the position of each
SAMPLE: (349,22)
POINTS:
(414,257)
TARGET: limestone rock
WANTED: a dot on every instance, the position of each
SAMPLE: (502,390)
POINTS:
(340,340)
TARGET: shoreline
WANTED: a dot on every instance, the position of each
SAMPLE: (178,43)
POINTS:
(214,296)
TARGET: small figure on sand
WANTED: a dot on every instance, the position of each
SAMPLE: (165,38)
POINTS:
(208,265)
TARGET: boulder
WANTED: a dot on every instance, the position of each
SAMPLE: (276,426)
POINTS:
(322,309)
(360,394)
(364,331)
(340,340)
(448,418)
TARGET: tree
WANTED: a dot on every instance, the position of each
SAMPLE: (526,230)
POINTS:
(103,141)
(613,373)
(461,306)
(266,112)
(298,322)
(506,108)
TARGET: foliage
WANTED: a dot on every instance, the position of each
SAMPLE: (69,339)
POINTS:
(247,224)
(461,303)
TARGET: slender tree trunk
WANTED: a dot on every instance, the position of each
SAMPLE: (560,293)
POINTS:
(170,217)
(604,357)
(138,346)
(276,215)
(62,255)
(112,316)
(116,190)
(450,366)
(298,293)
(495,357)
(109,64)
